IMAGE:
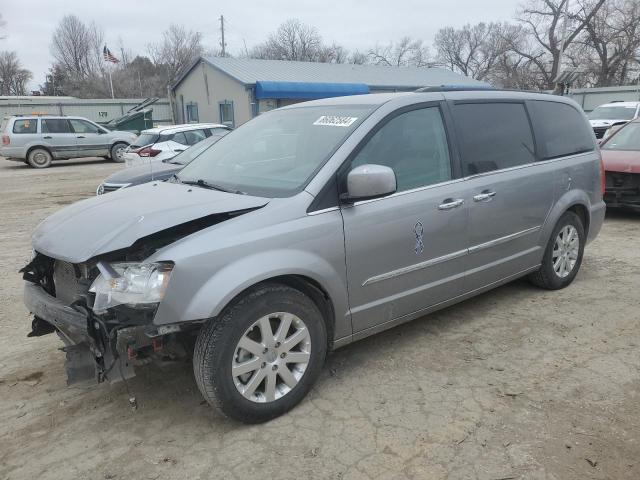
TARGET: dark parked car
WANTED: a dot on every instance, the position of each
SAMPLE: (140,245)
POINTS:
(156,171)
(621,158)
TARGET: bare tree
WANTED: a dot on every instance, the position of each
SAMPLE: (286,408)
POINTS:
(78,48)
(475,50)
(611,43)
(13,77)
(543,22)
(406,52)
(177,50)
(294,40)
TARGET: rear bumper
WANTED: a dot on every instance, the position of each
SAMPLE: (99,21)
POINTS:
(13,153)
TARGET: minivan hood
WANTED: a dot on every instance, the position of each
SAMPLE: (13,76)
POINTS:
(105,223)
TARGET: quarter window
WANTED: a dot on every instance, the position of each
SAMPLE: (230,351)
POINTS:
(82,126)
(414,145)
(55,125)
(28,125)
(493,136)
(194,136)
(561,129)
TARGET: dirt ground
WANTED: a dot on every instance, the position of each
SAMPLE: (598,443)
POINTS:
(518,383)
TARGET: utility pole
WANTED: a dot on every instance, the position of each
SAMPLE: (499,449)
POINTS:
(222,44)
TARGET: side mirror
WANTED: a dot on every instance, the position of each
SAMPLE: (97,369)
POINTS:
(369,181)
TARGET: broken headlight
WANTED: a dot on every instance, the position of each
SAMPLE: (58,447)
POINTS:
(133,284)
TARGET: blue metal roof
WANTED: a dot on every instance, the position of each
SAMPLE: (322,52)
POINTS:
(308,90)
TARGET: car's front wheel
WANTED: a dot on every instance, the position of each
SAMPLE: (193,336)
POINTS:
(117,152)
(261,356)
(563,254)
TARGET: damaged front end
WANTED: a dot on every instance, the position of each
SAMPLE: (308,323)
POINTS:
(103,308)
(622,190)
(103,343)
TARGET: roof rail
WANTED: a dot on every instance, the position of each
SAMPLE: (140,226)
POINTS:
(454,88)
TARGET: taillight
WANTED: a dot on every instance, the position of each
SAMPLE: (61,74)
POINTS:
(148,152)
(603,181)
(6,139)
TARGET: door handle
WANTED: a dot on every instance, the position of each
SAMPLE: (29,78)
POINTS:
(450,203)
(80,136)
(47,136)
(481,197)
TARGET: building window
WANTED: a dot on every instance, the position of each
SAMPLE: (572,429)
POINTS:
(192,112)
(226,113)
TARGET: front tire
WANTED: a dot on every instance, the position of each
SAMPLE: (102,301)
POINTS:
(563,255)
(261,356)
(117,152)
(39,158)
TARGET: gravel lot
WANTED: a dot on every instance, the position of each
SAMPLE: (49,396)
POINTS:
(515,384)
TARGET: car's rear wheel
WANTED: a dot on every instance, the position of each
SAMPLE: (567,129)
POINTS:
(563,255)
(261,356)
(117,152)
(39,158)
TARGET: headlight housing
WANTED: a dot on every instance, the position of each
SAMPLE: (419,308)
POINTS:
(138,285)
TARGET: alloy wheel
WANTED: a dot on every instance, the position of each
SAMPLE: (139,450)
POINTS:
(565,251)
(271,357)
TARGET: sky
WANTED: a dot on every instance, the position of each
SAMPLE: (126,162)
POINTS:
(353,24)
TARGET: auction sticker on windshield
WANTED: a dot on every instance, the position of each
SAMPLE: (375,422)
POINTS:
(335,121)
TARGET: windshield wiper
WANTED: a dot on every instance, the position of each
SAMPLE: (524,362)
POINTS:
(212,186)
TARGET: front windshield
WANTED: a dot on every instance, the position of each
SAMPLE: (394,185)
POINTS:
(612,113)
(192,152)
(627,138)
(277,153)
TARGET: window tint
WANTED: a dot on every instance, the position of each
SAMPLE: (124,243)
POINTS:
(180,138)
(28,125)
(145,139)
(414,145)
(194,136)
(493,136)
(560,129)
(82,126)
(55,125)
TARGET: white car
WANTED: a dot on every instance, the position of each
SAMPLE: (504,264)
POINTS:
(164,143)
(605,116)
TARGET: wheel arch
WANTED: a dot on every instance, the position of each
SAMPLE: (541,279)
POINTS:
(309,287)
(575,201)
(41,147)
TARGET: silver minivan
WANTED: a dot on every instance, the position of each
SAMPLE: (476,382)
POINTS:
(314,226)
(38,140)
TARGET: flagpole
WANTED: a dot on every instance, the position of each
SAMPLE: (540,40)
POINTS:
(111,82)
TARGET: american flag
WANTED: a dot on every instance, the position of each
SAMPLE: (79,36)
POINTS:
(108,56)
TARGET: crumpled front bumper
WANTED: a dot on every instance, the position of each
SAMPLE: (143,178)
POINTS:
(89,356)
(71,324)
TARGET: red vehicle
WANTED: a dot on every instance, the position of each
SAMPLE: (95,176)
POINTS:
(621,158)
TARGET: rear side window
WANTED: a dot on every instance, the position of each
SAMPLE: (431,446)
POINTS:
(55,125)
(493,136)
(27,125)
(194,136)
(560,129)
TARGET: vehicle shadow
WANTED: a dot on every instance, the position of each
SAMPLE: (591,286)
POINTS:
(17,165)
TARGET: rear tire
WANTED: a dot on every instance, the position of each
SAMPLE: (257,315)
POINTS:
(39,158)
(279,368)
(117,152)
(563,255)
